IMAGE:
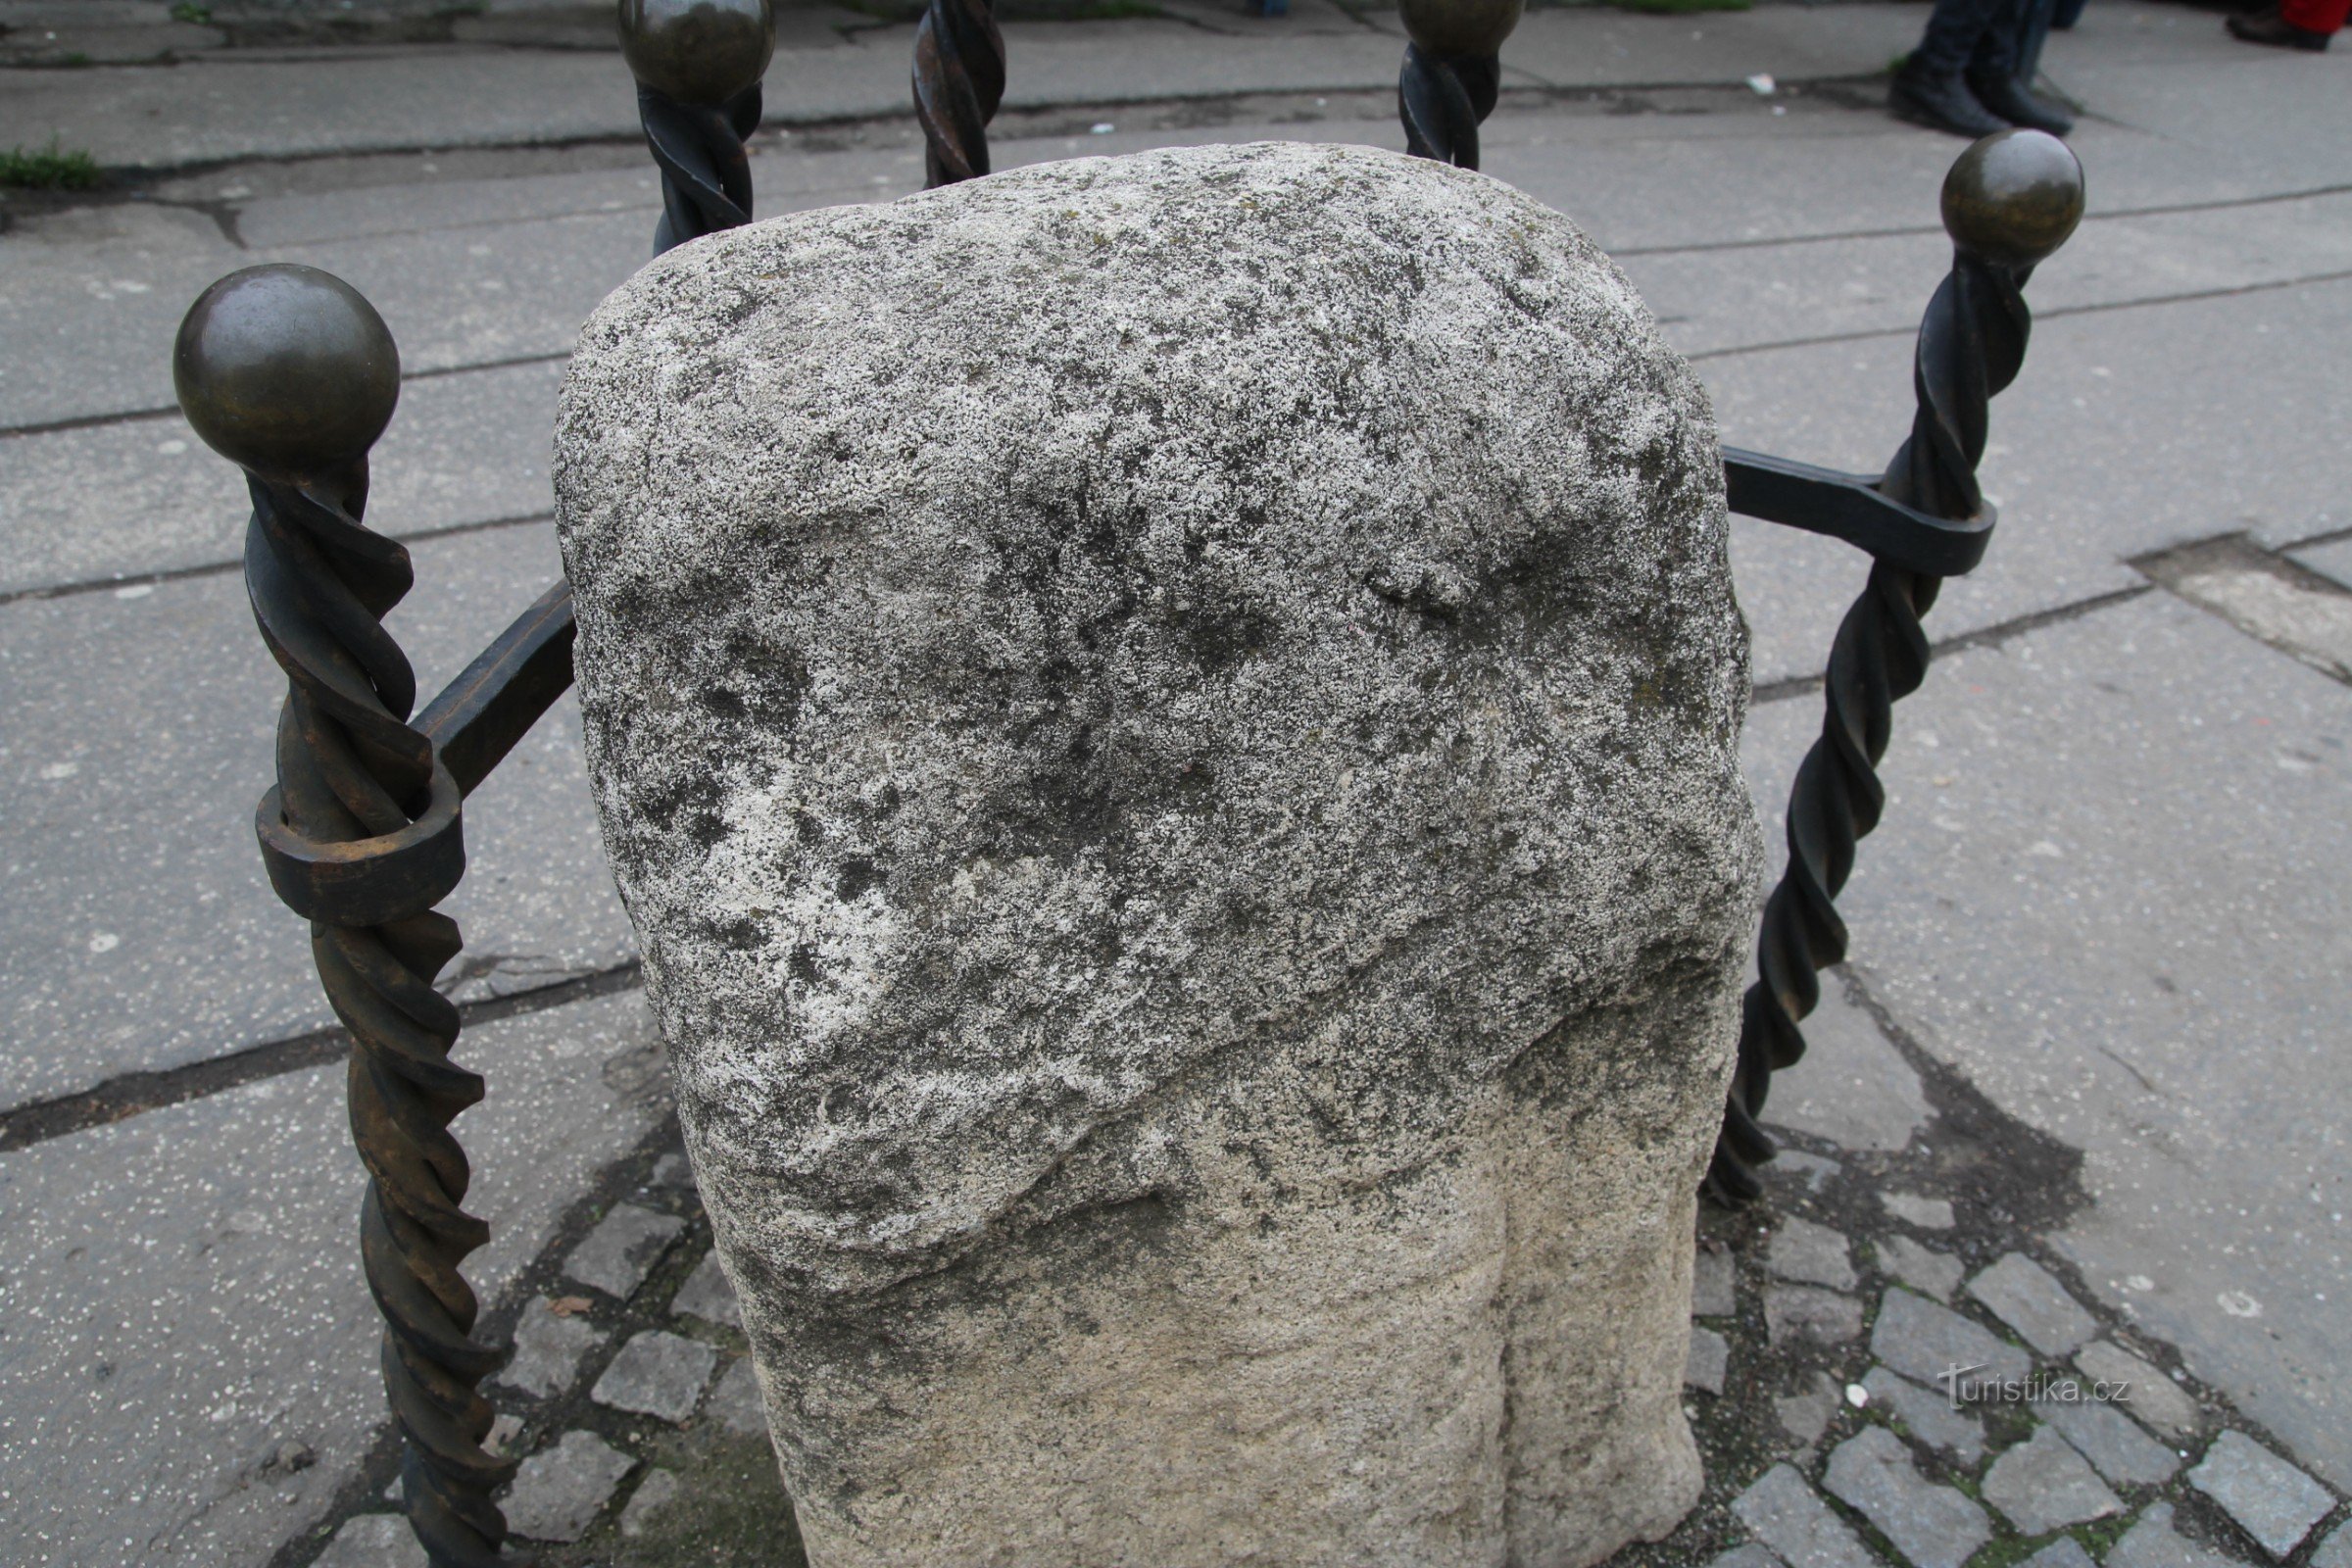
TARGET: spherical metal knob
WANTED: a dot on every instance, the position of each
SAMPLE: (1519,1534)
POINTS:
(1459,28)
(2014,197)
(698,51)
(286,369)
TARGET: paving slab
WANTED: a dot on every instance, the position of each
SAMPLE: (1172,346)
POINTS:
(621,1250)
(2064,1552)
(650,1495)
(1714,1275)
(1928,1213)
(2107,898)
(140,933)
(183,1295)
(1810,1255)
(1932,1526)
(1781,1511)
(1925,1342)
(2043,1485)
(2112,1442)
(1710,1358)
(1807,1413)
(658,1374)
(736,1403)
(2271,1499)
(1855,1089)
(374,1540)
(1805,1313)
(2027,1296)
(1927,1414)
(2153,1543)
(2336,1551)
(1919,1265)
(559,1492)
(549,1347)
(2152,1396)
(709,1296)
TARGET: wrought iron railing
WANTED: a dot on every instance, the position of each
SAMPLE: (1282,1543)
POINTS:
(291,374)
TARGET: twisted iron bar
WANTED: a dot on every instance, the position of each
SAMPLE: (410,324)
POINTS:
(1443,99)
(362,835)
(959,82)
(706,170)
(1972,343)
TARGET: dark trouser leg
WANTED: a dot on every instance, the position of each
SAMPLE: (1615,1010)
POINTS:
(1955,31)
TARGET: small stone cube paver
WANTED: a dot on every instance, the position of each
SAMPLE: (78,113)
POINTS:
(504,1430)
(706,1295)
(736,1403)
(1935,1527)
(623,1249)
(1927,1414)
(1712,1293)
(1928,1213)
(652,1494)
(2336,1551)
(2027,1296)
(658,1374)
(1807,1313)
(672,1173)
(2044,1485)
(2271,1499)
(374,1540)
(2152,1542)
(1710,1358)
(2064,1552)
(1780,1511)
(1810,1255)
(1925,1343)
(1806,1416)
(1920,1266)
(2112,1442)
(1811,1171)
(1751,1555)
(560,1490)
(2154,1399)
(547,1347)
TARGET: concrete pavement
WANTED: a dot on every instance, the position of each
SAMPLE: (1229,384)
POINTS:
(2108,896)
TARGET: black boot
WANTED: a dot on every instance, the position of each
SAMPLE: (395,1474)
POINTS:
(2006,96)
(1944,103)
(2267,26)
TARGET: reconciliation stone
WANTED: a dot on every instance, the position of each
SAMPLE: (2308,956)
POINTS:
(1811,1254)
(736,1402)
(1804,1312)
(653,1493)
(560,1490)
(2112,1442)
(1919,1265)
(1927,1414)
(1928,1213)
(1930,1344)
(2271,1499)
(1783,1512)
(706,1295)
(2148,1393)
(1713,1284)
(1709,1360)
(2043,1485)
(1168,726)
(548,1349)
(657,1374)
(1935,1527)
(2153,1543)
(374,1540)
(2027,1296)
(623,1249)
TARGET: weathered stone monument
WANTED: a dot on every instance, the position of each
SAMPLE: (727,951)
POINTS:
(1168,727)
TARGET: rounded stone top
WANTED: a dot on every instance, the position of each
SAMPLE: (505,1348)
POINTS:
(1474,27)
(285,369)
(2014,197)
(698,51)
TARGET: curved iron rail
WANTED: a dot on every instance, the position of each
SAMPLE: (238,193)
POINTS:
(2010,200)
(959,82)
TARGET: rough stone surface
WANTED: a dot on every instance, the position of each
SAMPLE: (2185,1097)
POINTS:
(1709,1359)
(1926,1342)
(547,1347)
(2027,1296)
(1783,1512)
(2271,1499)
(374,1540)
(1805,1313)
(1919,1265)
(1928,1213)
(657,1374)
(2043,1484)
(560,1490)
(736,1402)
(1153,788)
(651,1493)
(1928,1415)
(2112,1442)
(2153,1543)
(623,1249)
(2064,1552)
(1811,1254)
(1935,1527)
(1714,1279)
(706,1295)
(2152,1398)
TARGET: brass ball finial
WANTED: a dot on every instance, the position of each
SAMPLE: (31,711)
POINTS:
(1459,28)
(698,51)
(285,369)
(2014,197)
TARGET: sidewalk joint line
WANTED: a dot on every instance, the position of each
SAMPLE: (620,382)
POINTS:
(1992,636)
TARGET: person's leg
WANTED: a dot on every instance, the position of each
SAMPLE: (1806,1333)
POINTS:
(1997,74)
(2292,24)
(1930,88)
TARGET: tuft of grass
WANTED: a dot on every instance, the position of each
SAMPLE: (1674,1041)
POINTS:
(189,11)
(48,168)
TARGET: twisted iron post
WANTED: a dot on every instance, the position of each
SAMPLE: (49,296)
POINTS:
(959,82)
(289,373)
(2009,202)
(1452,74)
(699,65)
